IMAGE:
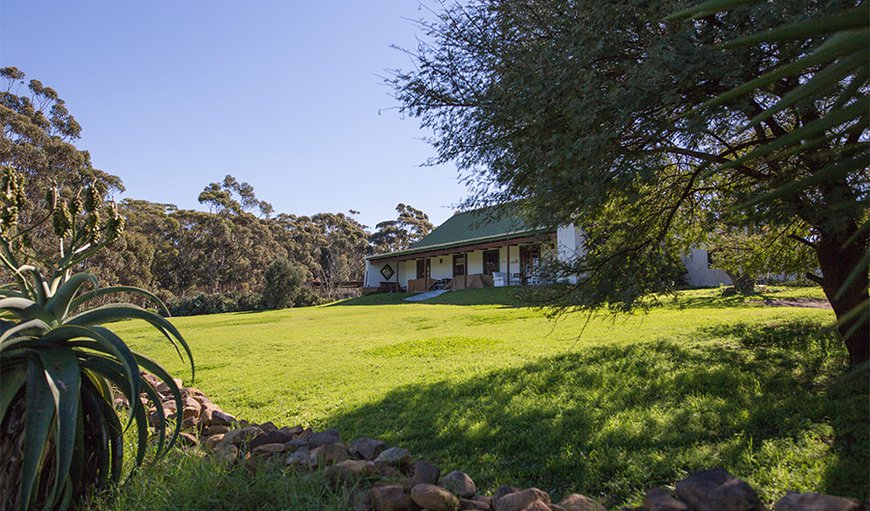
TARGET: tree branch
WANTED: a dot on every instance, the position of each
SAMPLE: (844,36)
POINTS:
(815,278)
(803,240)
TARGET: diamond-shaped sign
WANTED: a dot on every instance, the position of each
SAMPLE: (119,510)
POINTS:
(387,271)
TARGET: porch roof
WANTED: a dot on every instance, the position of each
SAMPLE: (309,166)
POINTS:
(470,228)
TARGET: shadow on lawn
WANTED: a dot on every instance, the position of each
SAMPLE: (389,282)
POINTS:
(774,407)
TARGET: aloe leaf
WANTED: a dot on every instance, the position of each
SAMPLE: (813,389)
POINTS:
(25,309)
(38,419)
(38,325)
(707,8)
(64,381)
(90,401)
(152,394)
(13,380)
(58,305)
(826,174)
(843,43)
(824,25)
(158,371)
(827,77)
(119,289)
(121,312)
(808,131)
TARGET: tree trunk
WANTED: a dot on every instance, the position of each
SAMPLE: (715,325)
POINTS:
(837,260)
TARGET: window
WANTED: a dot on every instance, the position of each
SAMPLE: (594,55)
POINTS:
(421,268)
(709,259)
(458,265)
(490,261)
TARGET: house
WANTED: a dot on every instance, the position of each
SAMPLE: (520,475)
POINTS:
(471,249)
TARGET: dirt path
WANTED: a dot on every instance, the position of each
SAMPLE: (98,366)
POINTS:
(797,302)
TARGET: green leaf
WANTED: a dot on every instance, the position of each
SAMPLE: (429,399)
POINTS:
(59,304)
(121,312)
(807,131)
(847,20)
(708,8)
(13,381)
(38,419)
(824,79)
(63,378)
(158,371)
(118,289)
(843,43)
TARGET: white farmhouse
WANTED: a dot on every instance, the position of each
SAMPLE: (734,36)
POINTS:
(471,249)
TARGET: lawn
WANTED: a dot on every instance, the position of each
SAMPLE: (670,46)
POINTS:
(604,406)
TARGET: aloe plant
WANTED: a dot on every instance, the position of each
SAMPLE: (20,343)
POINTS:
(60,436)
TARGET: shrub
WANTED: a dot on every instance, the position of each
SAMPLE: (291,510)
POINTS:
(283,283)
(216,303)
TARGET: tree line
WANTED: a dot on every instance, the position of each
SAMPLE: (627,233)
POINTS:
(220,256)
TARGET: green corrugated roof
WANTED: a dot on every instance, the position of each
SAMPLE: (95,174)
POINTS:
(469,227)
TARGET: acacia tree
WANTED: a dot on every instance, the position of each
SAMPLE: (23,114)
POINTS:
(587,112)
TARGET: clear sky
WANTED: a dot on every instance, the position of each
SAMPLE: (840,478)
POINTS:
(286,95)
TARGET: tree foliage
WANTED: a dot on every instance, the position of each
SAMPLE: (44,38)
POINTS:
(284,281)
(410,226)
(590,114)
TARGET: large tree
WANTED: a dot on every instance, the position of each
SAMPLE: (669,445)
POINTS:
(410,226)
(586,111)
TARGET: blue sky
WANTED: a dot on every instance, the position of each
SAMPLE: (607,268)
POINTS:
(285,95)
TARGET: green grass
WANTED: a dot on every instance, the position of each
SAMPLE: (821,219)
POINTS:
(608,408)
(189,481)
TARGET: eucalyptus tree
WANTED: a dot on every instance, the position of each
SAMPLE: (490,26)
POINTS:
(410,226)
(588,113)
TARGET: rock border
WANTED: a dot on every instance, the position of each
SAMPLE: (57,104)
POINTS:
(392,479)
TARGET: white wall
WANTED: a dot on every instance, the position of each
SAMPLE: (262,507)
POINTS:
(475,262)
(698,274)
(442,267)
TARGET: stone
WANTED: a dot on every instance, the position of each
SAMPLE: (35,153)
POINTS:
(366,448)
(434,498)
(392,473)
(350,471)
(187,440)
(395,456)
(517,501)
(577,502)
(305,434)
(459,483)
(815,502)
(330,454)
(537,506)
(212,441)
(294,444)
(362,501)
(268,449)
(271,437)
(269,427)
(292,432)
(226,453)
(215,430)
(219,418)
(717,490)
(424,472)
(242,437)
(392,498)
(478,504)
(501,491)
(301,459)
(328,436)
(659,499)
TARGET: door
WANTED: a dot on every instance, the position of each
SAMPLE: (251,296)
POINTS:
(458,265)
(530,261)
(490,261)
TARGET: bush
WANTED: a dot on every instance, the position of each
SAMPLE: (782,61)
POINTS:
(283,283)
(216,303)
